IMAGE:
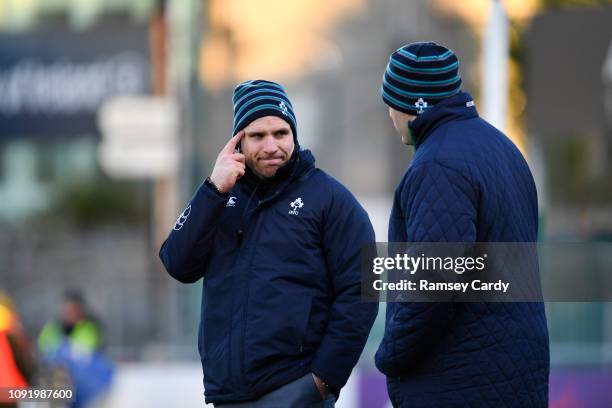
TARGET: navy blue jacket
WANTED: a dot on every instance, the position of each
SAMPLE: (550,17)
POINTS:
(281,288)
(467,183)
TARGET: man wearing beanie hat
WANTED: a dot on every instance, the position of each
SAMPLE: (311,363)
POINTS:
(277,243)
(467,183)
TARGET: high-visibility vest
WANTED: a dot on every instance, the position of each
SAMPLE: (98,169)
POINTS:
(10,376)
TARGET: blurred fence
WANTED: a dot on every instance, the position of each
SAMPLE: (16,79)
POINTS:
(147,315)
(116,270)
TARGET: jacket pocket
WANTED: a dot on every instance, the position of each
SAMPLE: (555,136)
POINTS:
(213,334)
(275,330)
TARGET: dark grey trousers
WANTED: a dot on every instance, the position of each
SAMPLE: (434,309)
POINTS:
(301,393)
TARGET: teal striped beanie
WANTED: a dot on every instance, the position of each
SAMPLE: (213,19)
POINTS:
(418,76)
(258,98)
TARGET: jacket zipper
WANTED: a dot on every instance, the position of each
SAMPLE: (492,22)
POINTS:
(242,343)
(240,232)
(248,272)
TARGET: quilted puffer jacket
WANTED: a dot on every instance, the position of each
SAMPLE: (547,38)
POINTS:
(281,294)
(467,183)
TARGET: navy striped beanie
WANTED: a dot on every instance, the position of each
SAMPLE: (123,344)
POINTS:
(258,98)
(418,76)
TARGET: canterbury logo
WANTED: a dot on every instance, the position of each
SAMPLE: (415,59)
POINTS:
(182,218)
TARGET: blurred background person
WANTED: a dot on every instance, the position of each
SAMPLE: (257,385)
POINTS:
(16,359)
(73,342)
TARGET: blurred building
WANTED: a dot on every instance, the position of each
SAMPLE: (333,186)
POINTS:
(60,61)
(566,50)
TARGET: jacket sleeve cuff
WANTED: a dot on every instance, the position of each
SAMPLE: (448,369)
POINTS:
(331,379)
(383,364)
(209,184)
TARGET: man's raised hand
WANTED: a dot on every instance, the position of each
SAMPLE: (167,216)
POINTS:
(230,166)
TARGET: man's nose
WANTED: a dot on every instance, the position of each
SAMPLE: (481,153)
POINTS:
(269,145)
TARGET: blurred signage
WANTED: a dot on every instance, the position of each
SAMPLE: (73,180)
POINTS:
(53,80)
(139,137)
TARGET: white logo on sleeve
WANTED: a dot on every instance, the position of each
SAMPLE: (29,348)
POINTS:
(182,218)
(295,205)
(231,202)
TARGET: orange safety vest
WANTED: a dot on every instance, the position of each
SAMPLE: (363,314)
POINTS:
(10,376)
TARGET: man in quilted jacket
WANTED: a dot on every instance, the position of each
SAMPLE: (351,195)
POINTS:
(277,243)
(467,183)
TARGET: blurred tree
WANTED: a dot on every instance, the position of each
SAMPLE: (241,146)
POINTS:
(573,177)
(101,202)
(568,164)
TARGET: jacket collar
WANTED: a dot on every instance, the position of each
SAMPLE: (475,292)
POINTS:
(300,163)
(457,107)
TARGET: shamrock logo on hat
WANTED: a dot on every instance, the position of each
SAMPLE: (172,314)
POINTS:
(421,105)
(283,108)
